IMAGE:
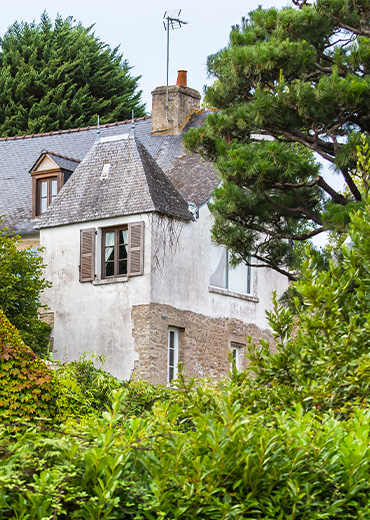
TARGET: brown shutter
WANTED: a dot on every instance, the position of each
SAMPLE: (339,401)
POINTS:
(87,255)
(136,248)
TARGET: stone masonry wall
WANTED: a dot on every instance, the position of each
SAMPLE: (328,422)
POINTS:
(204,342)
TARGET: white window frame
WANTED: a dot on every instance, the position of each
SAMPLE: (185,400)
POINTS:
(173,348)
(236,351)
(226,273)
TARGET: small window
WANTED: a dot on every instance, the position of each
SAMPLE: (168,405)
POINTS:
(122,252)
(237,279)
(115,252)
(46,191)
(236,353)
(173,353)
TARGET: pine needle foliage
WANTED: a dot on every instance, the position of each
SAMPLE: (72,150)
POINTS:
(291,83)
(59,76)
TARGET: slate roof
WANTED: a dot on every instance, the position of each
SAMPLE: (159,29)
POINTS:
(64,163)
(118,176)
(18,155)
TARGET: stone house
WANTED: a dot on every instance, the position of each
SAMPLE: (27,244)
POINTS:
(121,212)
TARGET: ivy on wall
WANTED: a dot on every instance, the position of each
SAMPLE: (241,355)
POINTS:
(27,386)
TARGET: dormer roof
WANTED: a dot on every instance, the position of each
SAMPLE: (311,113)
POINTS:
(117,177)
(51,160)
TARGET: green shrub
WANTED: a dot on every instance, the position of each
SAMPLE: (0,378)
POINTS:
(21,284)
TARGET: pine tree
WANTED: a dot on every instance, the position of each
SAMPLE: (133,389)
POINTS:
(290,83)
(62,76)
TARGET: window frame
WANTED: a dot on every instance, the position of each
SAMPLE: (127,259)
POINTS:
(175,347)
(37,179)
(226,274)
(237,349)
(116,230)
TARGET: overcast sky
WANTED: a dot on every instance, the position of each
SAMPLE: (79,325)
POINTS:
(137,27)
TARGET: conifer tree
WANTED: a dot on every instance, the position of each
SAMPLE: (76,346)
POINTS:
(60,76)
(290,83)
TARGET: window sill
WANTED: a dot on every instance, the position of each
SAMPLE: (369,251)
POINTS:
(107,281)
(240,296)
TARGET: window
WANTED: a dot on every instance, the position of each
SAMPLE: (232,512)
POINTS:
(236,279)
(45,187)
(46,191)
(173,353)
(49,173)
(115,252)
(122,252)
(236,352)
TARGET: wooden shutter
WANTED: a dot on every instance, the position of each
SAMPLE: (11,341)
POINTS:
(87,255)
(136,248)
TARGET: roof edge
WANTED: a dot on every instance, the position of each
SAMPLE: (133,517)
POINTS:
(71,130)
(39,226)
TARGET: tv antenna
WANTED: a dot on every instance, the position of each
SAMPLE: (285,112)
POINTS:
(171,21)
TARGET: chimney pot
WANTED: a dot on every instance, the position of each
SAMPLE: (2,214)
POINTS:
(182,78)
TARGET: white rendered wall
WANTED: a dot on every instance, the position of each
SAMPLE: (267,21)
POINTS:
(92,317)
(183,279)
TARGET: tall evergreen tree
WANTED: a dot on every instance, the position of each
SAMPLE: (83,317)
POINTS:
(62,76)
(290,83)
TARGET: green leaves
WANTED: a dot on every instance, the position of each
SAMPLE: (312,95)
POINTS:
(21,284)
(28,388)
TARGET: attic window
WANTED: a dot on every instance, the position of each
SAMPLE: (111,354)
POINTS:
(45,188)
(105,171)
(49,173)
(46,191)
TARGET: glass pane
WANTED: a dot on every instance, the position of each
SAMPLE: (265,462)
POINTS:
(109,238)
(122,267)
(123,236)
(44,205)
(44,189)
(122,252)
(171,361)
(109,269)
(171,373)
(172,339)
(238,279)
(54,185)
(218,266)
(109,254)
(249,279)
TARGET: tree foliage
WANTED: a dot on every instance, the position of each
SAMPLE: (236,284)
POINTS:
(291,442)
(21,284)
(61,76)
(291,83)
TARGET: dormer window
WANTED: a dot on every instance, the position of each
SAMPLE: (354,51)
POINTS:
(46,191)
(50,172)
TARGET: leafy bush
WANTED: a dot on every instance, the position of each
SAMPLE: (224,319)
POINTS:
(234,464)
(292,443)
(323,356)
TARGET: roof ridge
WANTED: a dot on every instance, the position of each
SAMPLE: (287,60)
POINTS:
(70,130)
(49,152)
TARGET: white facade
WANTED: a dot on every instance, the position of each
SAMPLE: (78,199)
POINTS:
(97,316)
(183,280)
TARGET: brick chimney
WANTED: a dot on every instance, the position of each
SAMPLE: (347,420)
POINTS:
(182,101)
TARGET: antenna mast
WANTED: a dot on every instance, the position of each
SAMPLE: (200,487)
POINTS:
(171,21)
